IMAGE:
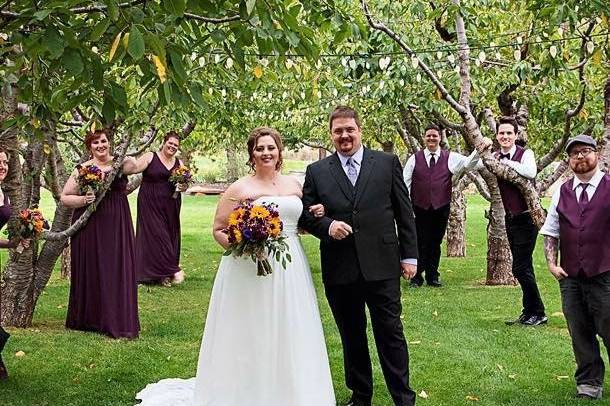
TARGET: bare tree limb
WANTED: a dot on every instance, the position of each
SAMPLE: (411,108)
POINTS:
(490,120)
(544,183)
(213,20)
(479,182)
(313,145)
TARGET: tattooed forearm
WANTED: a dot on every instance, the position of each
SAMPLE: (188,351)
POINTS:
(551,249)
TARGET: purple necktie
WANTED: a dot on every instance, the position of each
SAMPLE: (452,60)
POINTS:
(432,161)
(583,200)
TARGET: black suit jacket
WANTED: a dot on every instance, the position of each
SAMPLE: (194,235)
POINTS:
(378,208)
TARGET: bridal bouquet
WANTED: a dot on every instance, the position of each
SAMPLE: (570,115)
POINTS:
(90,179)
(255,230)
(181,174)
(31,225)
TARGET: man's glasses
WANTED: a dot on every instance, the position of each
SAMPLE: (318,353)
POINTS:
(577,153)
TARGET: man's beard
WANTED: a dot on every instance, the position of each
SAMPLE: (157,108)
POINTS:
(584,167)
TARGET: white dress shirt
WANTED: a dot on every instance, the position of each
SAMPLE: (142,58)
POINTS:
(551,225)
(456,163)
(527,167)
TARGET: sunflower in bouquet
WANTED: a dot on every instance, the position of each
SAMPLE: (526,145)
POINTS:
(256,231)
(181,175)
(90,179)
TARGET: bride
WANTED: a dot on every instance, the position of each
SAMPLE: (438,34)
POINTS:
(263,343)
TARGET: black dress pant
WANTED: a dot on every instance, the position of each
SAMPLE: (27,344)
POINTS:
(382,298)
(431,225)
(522,233)
(586,306)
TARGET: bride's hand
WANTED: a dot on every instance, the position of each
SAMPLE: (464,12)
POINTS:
(317,210)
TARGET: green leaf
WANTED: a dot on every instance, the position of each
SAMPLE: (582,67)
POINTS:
(108,110)
(167,92)
(72,61)
(136,45)
(175,7)
(42,14)
(195,92)
(119,96)
(54,43)
(97,74)
(113,10)
(176,60)
(250,6)
(99,30)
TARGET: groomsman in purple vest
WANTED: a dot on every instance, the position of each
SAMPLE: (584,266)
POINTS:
(577,224)
(428,175)
(520,227)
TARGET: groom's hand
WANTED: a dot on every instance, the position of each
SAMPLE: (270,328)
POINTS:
(408,270)
(339,230)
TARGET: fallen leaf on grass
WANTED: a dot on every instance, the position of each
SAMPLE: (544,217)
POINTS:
(472,398)
(500,367)
(560,377)
(557,314)
(414,342)
(20,354)
(435,313)
(512,376)
(423,394)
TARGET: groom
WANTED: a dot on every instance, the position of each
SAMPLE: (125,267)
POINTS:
(367,240)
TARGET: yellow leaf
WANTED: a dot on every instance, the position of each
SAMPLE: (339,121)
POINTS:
(472,398)
(258,71)
(126,40)
(438,94)
(560,377)
(500,367)
(512,376)
(414,342)
(20,354)
(583,114)
(423,394)
(597,56)
(93,126)
(557,314)
(115,45)
(435,313)
(161,70)
(35,122)
(47,149)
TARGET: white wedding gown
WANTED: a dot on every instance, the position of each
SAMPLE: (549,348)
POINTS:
(263,343)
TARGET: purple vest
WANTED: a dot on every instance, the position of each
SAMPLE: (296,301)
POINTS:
(513,201)
(582,233)
(431,187)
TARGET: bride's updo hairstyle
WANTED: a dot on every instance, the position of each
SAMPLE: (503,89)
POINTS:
(253,140)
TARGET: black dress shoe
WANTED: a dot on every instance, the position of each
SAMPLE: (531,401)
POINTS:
(415,284)
(435,283)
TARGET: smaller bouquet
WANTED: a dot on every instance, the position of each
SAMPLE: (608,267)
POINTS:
(31,224)
(90,179)
(255,230)
(180,175)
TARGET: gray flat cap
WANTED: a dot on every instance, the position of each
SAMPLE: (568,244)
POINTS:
(581,139)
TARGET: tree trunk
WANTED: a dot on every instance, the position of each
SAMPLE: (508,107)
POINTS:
(456,231)
(499,258)
(604,157)
(232,164)
(387,146)
(321,153)
(65,263)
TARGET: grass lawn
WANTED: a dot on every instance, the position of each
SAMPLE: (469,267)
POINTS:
(460,350)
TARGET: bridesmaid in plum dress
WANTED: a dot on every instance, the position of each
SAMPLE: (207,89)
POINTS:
(103,289)
(158,228)
(5,214)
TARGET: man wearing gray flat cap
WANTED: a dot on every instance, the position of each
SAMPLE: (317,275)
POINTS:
(576,225)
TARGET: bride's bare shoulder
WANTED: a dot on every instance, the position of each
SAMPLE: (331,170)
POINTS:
(240,189)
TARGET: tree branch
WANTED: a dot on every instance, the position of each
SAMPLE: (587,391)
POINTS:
(102,8)
(543,184)
(213,20)
(480,184)
(312,145)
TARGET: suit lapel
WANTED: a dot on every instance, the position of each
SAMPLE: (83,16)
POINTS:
(366,168)
(340,177)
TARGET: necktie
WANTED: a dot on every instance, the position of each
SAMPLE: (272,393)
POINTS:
(352,173)
(584,197)
(504,156)
(432,161)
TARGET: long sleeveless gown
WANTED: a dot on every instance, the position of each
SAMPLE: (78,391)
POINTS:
(158,227)
(263,343)
(5,215)
(103,289)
